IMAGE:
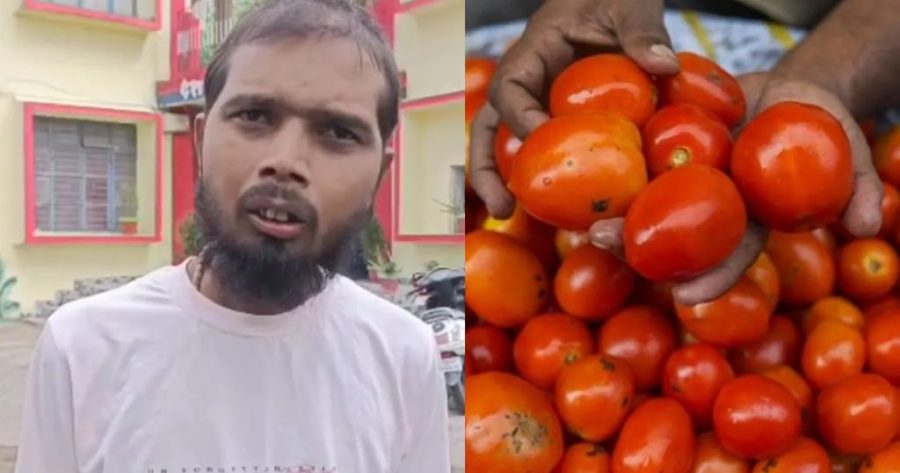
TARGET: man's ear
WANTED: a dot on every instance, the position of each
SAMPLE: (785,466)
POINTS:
(199,130)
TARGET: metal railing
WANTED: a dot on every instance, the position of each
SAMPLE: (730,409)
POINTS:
(200,29)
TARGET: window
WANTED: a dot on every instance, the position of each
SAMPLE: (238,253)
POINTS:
(141,9)
(458,198)
(85,175)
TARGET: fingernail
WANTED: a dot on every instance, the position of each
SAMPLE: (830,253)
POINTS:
(664,52)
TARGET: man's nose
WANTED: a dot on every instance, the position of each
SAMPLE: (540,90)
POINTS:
(287,156)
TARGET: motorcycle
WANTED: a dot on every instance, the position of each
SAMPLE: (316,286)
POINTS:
(439,301)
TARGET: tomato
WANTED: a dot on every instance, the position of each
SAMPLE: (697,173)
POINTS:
(536,236)
(710,457)
(883,344)
(867,269)
(805,266)
(489,349)
(832,308)
(574,170)
(793,165)
(546,344)
(886,155)
(602,83)
(755,417)
(593,396)
(656,438)
(805,456)
(584,457)
(832,351)
(510,426)
(876,307)
(702,82)
(479,72)
(738,317)
(858,415)
(890,211)
(693,376)
(683,223)
(886,460)
(845,463)
(644,338)
(765,275)
(868,127)
(779,346)
(797,385)
(683,134)
(824,235)
(476,214)
(473,103)
(506,145)
(656,293)
(592,283)
(568,240)
(505,283)
(467,363)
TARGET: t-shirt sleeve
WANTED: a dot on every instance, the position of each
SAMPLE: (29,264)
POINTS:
(429,448)
(47,443)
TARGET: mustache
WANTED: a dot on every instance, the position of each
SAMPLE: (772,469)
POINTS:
(295,202)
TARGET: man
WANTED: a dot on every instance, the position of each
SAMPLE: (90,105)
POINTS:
(255,357)
(847,65)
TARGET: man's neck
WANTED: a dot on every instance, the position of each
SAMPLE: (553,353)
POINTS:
(210,286)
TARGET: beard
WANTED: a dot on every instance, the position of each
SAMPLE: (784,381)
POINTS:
(267,270)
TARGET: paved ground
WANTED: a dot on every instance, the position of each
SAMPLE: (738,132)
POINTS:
(16,342)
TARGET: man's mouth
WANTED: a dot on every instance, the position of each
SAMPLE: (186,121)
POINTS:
(276,223)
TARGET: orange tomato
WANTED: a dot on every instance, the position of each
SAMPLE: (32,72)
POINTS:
(711,457)
(489,349)
(805,267)
(511,426)
(678,135)
(886,155)
(883,344)
(702,82)
(593,396)
(832,308)
(824,235)
(546,344)
(592,284)
(568,240)
(644,338)
(867,269)
(858,415)
(832,351)
(738,317)
(479,72)
(536,236)
(765,275)
(656,438)
(779,346)
(797,385)
(506,145)
(505,283)
(602,83)
(574,170)
(693,376)
(886,460)
(584,457)
(805,456)
(890,211)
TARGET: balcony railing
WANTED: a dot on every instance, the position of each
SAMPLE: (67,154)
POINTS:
(201,28)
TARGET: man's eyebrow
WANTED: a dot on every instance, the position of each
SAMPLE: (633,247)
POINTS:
(320,113)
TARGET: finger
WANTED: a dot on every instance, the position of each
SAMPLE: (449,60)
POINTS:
(607,235)
(642,34)
(862,218)
(720,279)
(483,175)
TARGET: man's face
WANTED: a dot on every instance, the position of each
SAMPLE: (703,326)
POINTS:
(291,152)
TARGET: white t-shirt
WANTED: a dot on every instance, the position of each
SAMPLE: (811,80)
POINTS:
(153,377)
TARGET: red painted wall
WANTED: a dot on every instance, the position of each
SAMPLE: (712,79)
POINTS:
(184,176)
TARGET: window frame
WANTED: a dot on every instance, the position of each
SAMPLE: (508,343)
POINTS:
(132,22)
(31,110)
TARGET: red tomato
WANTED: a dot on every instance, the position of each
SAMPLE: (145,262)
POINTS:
(568,240)
(546,344)
(584,457)
(602,83)
(858,415)
(805,456)
(845,463)
(505,283)
(510,426)
(710,457)
(536,236)
(489,349)
(693,376)
(656,438)
(467,362)
(883,344)
(886,155)
(805,266)
(886,460)
(779,346)
(506,145)
(799,388)
(890,211)
(574,170)
(765,275)
(702,82)
(738,317)
(755,417)
(473,104)
(682,134)
(832,351)
(824,235)
(592,284)
(792,163)
(683,223)
(876,307)
(593,396)
(644,338)
(867,269)
(832,308)
(658,294)
(479,72)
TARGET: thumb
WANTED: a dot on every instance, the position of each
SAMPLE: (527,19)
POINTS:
(642,35)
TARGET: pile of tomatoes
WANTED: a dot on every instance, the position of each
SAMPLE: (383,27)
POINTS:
(579,360)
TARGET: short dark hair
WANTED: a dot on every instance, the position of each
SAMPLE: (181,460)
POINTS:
(273,20)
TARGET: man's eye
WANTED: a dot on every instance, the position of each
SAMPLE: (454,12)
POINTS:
(340,133)
(254,116)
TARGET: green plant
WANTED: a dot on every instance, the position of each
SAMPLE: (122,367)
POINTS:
(8,307)
(191,238)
